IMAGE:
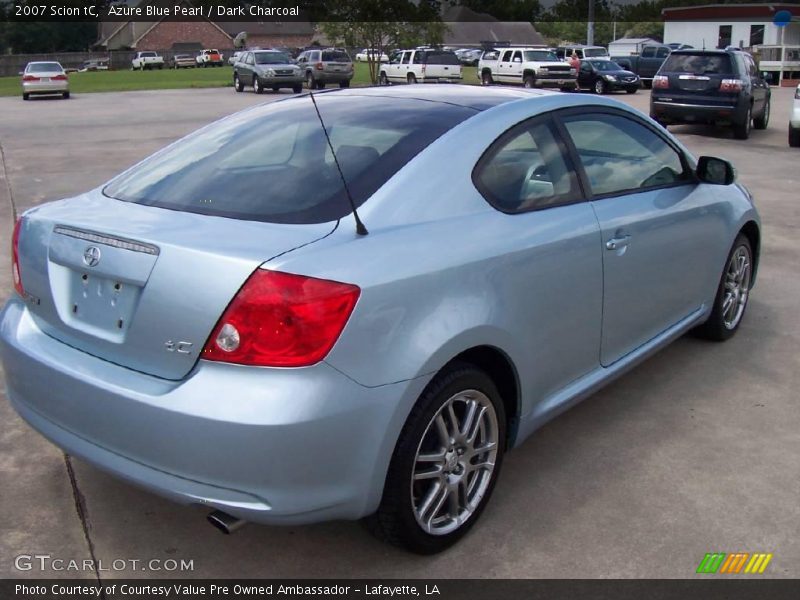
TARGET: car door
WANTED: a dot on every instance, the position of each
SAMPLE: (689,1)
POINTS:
(250,67)
(400,70)
(760,88)
(659,226)
(586,75)
(551,276)
(504,66)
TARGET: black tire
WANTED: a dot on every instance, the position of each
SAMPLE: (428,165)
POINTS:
(716,328)
(761,121)
(237,83)
(411,79)
(395,520)
(310,81)
(161,66)
(320,85)
(26,96)
(528,81)
(383,79)
(275,88)
(632,90)
(344,84)
(486,78)
(741,131)
(599,87)
(298,89)
(647,83)
(65,95)
(794,137)
(257,87)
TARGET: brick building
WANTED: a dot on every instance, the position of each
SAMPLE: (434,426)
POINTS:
(290,34)
(162,35)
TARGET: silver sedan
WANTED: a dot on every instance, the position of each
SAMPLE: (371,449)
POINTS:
(44,78)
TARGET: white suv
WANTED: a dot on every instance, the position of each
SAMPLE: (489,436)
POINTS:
(531,67)
(794,121)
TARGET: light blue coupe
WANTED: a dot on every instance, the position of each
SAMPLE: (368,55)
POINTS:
(352,304)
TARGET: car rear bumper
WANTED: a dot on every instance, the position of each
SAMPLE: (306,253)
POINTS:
(333,77)
(683,112)
(280,446)
(52,87)
(440,79)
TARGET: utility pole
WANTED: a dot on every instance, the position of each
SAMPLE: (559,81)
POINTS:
(590,25)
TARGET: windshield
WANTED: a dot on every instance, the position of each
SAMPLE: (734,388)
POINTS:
(48,67)
(271,58)
(273,163)
(698,64)
(592,52)
(540,56)
(606,65)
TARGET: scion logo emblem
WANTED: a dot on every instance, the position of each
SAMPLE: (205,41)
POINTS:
(91,256)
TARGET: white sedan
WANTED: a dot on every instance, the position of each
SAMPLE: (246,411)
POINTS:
(368,53)
(794,121)
(44,78)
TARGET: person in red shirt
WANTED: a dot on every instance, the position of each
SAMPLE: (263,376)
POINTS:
(575,63)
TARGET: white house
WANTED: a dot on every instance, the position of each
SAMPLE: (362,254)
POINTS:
(747,26)
(629,46)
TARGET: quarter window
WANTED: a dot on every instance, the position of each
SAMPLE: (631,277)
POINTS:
(620,155)
(526,170)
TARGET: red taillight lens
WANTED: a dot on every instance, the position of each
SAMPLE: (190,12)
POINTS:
(15,273)
(30,78)
(282,320)
(318,66)
(730,85)
(61,77)
(660,82)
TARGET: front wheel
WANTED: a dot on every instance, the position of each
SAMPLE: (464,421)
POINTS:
(528,81)
(632,90)
(237,83)
(599,87)
(732,293)
(445,464)
(257,87)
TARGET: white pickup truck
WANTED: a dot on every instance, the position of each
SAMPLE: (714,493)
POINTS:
(530,67)
(210,58)
(421,66)
(147,60)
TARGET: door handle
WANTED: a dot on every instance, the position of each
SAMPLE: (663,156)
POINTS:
(618,242)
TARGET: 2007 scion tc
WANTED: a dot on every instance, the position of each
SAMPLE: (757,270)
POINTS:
(216,325)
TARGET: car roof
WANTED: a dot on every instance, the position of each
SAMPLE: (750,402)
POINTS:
(469,96)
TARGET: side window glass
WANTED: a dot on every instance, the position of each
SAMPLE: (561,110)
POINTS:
(506,56)
(419,58)
(619,155)
(517,56)
(526,170)
(662,53)
(406,58)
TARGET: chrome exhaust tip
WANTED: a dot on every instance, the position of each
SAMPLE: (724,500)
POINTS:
(226,523)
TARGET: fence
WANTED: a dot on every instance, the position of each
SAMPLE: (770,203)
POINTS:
(13,64)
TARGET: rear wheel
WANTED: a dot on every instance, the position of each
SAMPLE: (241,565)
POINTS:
(26,96)
(599,87)
(741,131)
(762,121)
(732,293)
(794,137)
(65,95)
(411,78)
(344,84)
(275,88)
(445,464)
(486,78)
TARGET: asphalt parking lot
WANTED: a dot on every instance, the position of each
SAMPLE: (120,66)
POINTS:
(697,450)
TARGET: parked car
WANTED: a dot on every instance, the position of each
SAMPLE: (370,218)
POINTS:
(248,351)
(95,64)
(370,53)
(183,61)
(210,58)
(530,67)
(711,86)
(565,52)
(469,56)
(323,66)
(44,78)
(147,60)
(267,69)
(603,76)
(647,64)
(421,66)
(794,121)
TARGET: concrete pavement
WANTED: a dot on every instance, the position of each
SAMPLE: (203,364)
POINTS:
(697,450)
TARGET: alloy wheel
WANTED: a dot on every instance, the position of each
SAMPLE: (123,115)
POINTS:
(737,287)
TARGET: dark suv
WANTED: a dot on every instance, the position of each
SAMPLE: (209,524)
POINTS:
(711,86)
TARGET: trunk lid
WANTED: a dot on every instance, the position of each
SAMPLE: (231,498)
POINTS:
(140,286)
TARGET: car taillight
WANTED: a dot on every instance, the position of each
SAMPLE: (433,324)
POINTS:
(15,273)
(318,66)
(730,85)
(282,320)
(30,78)
(660,82)
(61,77)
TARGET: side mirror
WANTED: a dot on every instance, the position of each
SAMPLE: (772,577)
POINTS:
(715,170)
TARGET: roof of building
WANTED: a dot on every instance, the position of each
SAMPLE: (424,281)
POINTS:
(761,12)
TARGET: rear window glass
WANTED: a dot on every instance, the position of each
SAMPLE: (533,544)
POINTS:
(698,64)
(589,52)
(441,58)
(44,68)
(273,163)
(335,55)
